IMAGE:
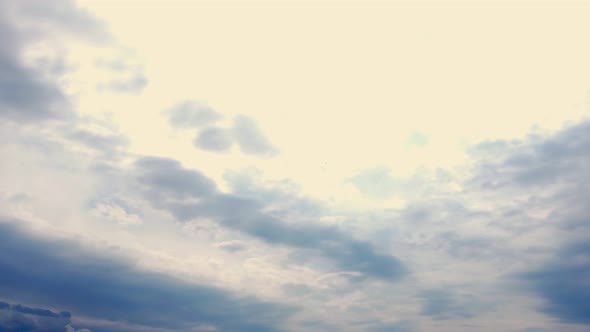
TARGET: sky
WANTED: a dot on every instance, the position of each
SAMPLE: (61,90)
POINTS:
(240,166)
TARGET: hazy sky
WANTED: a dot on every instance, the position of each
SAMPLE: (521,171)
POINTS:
(294,166)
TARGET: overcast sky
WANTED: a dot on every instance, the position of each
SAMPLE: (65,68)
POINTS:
(294,166)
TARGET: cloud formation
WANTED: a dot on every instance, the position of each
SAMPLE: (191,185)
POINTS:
(19,318)
(191,114)
(250,138)
(26,94)
(120,291)
(188,194)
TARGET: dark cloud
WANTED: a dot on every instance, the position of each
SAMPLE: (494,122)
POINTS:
(20,318)
(168,186)
(564,284)
(214,139)
(250,138)
(106,287)
(26,95)
(190,114)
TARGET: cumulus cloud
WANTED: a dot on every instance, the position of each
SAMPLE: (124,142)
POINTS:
(214,139)
(250,138)
(191,114)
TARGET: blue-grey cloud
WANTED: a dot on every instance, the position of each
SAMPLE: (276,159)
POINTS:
(402,326)
(250,138)
(190,114)
(100,142)
(188,194)
(20,318)
(62,274)
(214,139)
(537,160)
(442,304)
(551,171)
(563,284)
(26,95)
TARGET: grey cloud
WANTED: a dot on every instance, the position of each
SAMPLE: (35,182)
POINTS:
(106,143)
(563,284)
(548,173)
(25,94)
(133,85)
(250,138)
(537,161)
(402,326)
(64,16)
(190,114)
(282,198)
(107,287)
(19,318)
(166,179)
(214,139)
(164,176)
(443,304)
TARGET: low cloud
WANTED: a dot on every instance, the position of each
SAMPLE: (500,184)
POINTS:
(20,318)
(105,287)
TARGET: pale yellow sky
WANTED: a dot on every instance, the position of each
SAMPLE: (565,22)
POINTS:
(341,86)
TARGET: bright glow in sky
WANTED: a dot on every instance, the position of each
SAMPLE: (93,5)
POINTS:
(294,166)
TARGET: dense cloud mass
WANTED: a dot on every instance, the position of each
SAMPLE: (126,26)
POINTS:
(106,228)
(63,274)
(19,318)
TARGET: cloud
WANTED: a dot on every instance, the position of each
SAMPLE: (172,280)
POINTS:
(402,326)
(133,84)
(188,194)
(563,284)
(250,138)
(26,94)
(442,304)
(214,139)
(20,318)
(538,160)
(417,138)
(191,114)
(377,183)
(548,175)
(106,287)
